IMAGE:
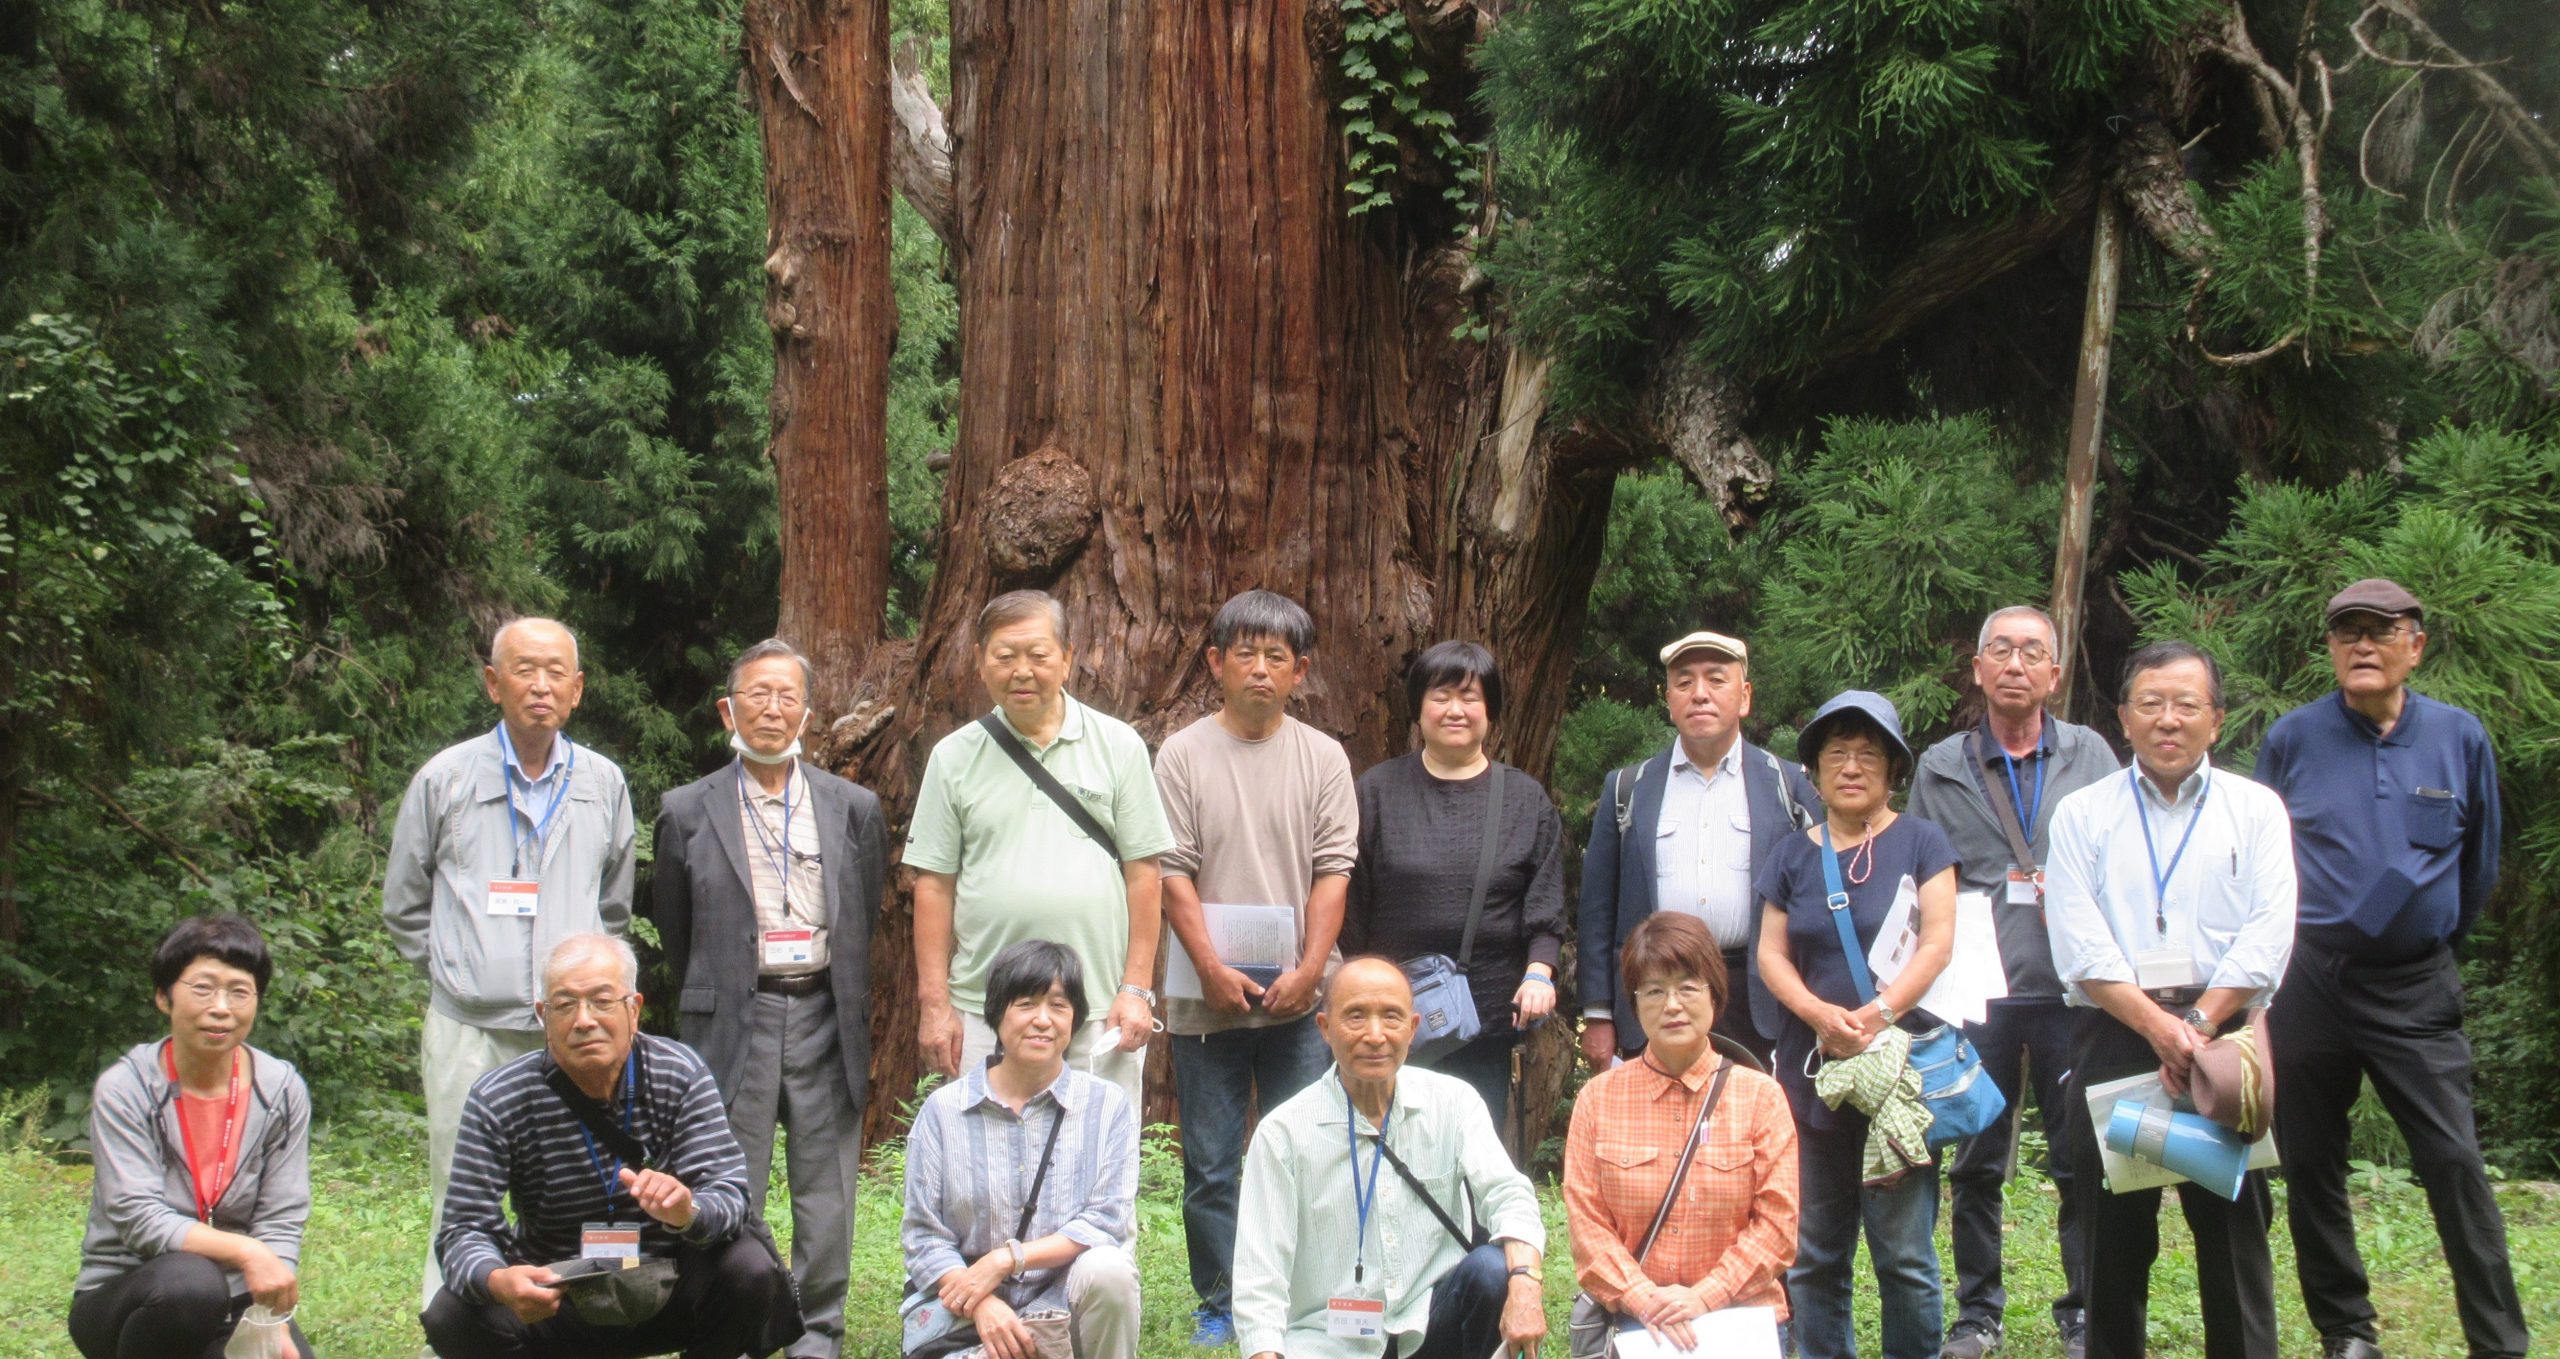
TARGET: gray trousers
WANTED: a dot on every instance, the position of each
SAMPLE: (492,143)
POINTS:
(793,1078)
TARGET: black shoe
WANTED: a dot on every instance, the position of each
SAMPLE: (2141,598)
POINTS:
(2348,1347)
(1971,1340)
(2075,1335)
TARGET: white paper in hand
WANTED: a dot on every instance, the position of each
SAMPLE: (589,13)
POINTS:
(1731,1333)
(1973,976)
(1241,935)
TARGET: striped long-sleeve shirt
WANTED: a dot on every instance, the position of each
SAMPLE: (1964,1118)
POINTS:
(520,1142)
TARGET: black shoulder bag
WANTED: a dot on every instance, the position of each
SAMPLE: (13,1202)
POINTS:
(1048,783)
(1588,1330)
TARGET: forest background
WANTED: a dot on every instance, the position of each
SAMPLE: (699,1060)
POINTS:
(333,332)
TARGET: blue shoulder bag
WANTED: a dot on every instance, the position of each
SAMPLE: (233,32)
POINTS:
(1962,1101)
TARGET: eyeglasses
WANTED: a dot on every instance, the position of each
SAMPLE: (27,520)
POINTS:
(758,699)
(1691,994)
(567,1007)
(1841,757)
(2033,653)
(2348,634)
(239,995)
(2152,705)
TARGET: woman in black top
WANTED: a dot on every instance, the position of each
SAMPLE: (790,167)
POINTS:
(1422,824)
(1855,751)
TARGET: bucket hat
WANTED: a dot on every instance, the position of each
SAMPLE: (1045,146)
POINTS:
(1850,708)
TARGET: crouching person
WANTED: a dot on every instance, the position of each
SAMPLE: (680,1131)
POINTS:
(631,1234)
(203,1151)
(1338,1261)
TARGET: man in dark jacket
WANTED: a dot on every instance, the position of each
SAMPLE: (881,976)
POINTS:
(768,879)
(1992,788)
(1686,831)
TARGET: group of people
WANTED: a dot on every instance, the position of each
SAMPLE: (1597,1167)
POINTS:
(597,1190)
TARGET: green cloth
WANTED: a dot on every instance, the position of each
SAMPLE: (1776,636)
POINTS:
(1024,871)
(1882,1084)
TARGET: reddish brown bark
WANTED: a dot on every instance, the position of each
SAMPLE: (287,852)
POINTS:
(820,69)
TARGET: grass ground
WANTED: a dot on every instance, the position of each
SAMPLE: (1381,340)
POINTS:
(368,1228)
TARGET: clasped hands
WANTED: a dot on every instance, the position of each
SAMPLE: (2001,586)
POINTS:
(971,1293)
(1843,1032)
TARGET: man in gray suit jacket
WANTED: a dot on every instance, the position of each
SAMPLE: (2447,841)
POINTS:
(1687,830)
(767,882)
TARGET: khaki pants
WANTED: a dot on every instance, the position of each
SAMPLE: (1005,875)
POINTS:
(1096,1050)
(1102,1297)
(452,1055)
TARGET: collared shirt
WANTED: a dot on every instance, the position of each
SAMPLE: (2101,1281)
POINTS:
(2229,902)
(1304,1234)
(1024,870)
(1733,1232)
(1702,845)
(786,872)
(2396,832)
(971,1161)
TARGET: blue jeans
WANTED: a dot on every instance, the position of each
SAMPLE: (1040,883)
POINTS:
(1217,1077)
(1900,1222)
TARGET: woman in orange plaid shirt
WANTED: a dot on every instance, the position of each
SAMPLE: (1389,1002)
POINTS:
(1728,1239)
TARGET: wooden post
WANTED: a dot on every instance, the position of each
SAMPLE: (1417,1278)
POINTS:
(2088,434)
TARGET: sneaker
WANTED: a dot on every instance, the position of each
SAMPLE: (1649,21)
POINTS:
(1971,1340)
(2348,1347)
(1212,1330)
(2075,1335)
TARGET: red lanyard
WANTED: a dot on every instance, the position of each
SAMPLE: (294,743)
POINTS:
(222,1168)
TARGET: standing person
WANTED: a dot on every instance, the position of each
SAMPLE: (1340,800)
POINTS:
(202,1147)
(1022,1176)
(2392,878)
(1855,748)
(1423,826)
(1685,831)
(1000,858)
(506,844)
(2169,899)
(1993,790)
(767,882)
(1263,814)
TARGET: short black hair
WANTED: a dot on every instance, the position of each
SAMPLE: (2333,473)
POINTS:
(227,939)
(2160,655)
(1027,970)
(1452,664)
(1260,613)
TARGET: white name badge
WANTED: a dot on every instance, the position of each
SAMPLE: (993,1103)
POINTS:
(1356,1318)
(786,948)
(2165,969)
(609,1241)
(2025,888)
(511,896)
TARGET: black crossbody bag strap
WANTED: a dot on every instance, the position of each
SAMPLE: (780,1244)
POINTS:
(1414,1182)
(1697,1131)
(1484,868)
(1048,783)
(1022,1229)
(2002,810)
(597,1120)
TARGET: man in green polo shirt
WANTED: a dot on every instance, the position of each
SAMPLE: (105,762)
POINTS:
(997,859)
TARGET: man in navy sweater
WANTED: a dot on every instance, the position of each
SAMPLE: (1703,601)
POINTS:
(2394,799)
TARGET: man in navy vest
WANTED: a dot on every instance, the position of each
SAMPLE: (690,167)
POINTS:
(1687,831)
(2394,800)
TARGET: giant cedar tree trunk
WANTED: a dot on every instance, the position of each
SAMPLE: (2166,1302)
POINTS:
(1184,372)
(820,72)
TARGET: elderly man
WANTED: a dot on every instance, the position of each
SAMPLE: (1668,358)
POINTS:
(767,881)
(1040,820)
(1686,831)
(1345,1263)
(506,844)
(1993,789)
(610,1146)
(2395,821)
(2169,902)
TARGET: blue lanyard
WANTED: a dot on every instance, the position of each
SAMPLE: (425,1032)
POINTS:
(781,860)
(541,828)
(1363,1200)
(2159,879)
(609,1169)
(2026,810)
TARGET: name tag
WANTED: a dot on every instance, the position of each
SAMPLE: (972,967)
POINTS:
(2025,888)
(791,947)
(1356,1318)
(511,896)
(2164,969)
(609,1241)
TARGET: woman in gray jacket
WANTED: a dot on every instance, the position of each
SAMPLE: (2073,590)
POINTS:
(203,1152)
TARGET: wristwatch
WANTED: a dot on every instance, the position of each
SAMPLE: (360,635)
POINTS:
(1529,1272)
(1884,1012)
(2196,1020)
(1140,992)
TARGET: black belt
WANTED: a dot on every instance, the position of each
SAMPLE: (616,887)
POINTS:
(2177,997)
(800,984)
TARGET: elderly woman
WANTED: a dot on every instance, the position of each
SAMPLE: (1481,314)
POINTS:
(1022,1179)
(1732,1228)
(1855,749)
(1423,830)
(202,1148)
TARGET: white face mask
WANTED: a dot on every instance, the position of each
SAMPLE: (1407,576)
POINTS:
(786,755)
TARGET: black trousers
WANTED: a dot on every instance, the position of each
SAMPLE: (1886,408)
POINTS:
(171,1306)
(725,1300)
(2235,1274)
(2036,1029)
(1465,1320)
(2337,1021)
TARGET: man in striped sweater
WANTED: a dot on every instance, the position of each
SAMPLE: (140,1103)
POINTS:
(576,1197)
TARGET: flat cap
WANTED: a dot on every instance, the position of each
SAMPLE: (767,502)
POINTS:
(1714,643)
(2374,595)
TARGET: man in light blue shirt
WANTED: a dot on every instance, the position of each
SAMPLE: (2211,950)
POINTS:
(1357,1192)
(2169,901)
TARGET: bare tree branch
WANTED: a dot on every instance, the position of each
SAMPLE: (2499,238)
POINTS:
(2531,140)
(2234,45)
(920,144)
